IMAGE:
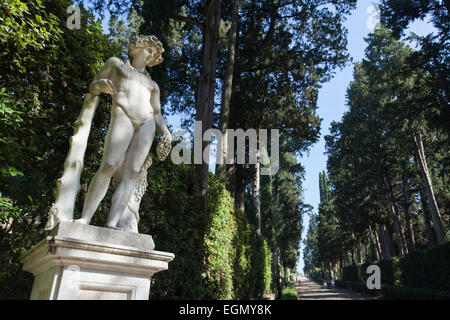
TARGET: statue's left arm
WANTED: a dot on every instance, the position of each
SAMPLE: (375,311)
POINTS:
(164,145)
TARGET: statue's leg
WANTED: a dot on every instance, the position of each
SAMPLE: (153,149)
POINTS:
(119,172)
(136,155)
(120,134)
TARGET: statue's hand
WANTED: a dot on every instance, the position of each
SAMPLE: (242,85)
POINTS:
(102,86)
(164,146)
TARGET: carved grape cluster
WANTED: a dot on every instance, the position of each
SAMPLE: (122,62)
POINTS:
(142,184)
(163,148)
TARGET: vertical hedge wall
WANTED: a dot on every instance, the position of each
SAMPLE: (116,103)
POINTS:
(425,269)
(219,250)
(253,261)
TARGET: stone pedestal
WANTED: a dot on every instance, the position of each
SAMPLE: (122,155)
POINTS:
(83,262)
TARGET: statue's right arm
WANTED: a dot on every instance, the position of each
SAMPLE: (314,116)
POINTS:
(102,82)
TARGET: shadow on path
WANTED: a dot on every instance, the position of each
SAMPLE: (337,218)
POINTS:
(309,290)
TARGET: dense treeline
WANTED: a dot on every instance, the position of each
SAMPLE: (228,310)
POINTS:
(387,190)
(231,64)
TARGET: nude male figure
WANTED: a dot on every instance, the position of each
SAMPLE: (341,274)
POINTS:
(135,116)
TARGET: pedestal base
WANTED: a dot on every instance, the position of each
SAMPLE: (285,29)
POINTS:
(86,262)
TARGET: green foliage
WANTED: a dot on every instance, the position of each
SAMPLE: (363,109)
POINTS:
(432,56)
(242,264)
(170,214)
(289,293)
(290,207)
(311,246)
(427,269)
(253,261)
(45,69)
(276,78)
(220,257)
(44,72)
(377,190)
(424,270)
(266,260)
(261,267)
(219,251)
(325,240)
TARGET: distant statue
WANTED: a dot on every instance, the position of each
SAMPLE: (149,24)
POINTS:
(135,116)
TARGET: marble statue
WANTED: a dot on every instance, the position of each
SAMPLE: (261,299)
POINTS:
(135,116)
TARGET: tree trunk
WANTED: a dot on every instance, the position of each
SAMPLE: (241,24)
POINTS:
(394,210)
(378,244)
(386,245)
(330,268)
(287,274)
(398,230)
(431,237)
(207,80)
(375,243)
(409,226)
(237,122)
(277,279)
(390,241)
(239,187)
(435,215)
(276,207)
(227,86)
(367,249)
(374,254)
(353,257)
(358,254)
(256,194)
(233,123)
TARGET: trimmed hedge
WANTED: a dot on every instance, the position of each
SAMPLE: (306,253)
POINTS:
(426,269)
(237,260)
(252,262)
(219,250)
(215,255)
(261,266)
(423,274)
(289,293)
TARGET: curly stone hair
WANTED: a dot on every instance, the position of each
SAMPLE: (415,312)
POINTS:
(139,42)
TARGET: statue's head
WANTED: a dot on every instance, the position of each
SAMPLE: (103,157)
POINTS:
(151,44)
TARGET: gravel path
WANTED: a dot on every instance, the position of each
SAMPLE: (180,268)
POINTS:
(309,290)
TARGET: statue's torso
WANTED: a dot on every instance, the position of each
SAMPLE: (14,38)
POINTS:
(134,90)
